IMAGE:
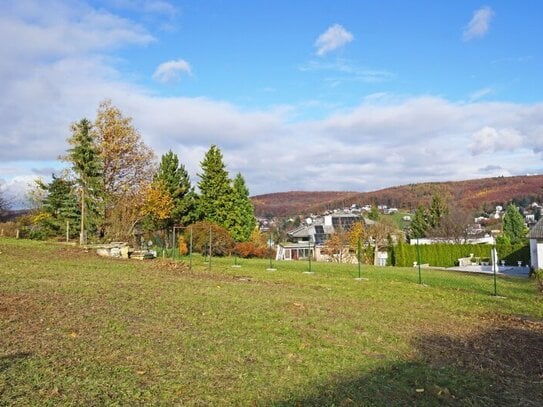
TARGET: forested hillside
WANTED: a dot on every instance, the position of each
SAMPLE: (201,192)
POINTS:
(472,194)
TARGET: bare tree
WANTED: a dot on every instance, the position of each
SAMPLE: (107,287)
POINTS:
(4,204)
(453,226)
(379,233)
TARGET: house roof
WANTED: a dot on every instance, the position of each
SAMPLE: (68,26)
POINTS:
(536,232)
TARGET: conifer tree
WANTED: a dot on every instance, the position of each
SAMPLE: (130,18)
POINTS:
(215,201)
(513,224)
(177,182)
(60,204)
(438,209)
(243,219)
(84,157)
(419,224)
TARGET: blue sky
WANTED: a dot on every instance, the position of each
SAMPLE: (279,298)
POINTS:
(299,95)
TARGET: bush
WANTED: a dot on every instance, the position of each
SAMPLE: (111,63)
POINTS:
(250,250)
(222,243)
(538,273)
(447,255)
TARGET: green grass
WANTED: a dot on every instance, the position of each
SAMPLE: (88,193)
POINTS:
(77,329)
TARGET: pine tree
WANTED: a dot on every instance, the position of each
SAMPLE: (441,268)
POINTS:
(243,220)
(177,182)
(513,224)
(419,224)
(215,201)
(60,204)
(438,209)
(84,157)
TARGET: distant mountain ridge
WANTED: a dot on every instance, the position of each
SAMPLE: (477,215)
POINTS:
(472,194)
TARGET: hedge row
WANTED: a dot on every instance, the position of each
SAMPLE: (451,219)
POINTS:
(447,255)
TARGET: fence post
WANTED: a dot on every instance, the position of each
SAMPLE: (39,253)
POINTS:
(418,260)
(270,253)
(210,243)
(359,256)
(190,250)
(17,234)
(309,254)
(67,231)
(494,257)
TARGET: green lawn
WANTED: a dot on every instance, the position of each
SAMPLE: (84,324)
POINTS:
(77,329)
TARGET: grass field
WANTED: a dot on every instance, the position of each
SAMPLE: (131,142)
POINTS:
(77,329)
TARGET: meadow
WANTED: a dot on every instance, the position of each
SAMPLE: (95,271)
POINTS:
(77,329)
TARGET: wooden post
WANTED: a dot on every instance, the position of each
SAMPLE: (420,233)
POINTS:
(67,231)
(17,234)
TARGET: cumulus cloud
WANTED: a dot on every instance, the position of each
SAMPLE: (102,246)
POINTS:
(171,71)
(333,38)
(479,24)
(489,139)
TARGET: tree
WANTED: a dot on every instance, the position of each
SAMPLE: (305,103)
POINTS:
(215,201)
(158,204)
(243,218)
(337,246)
(454,225)
(4,203)
(60,205)
(379,234)
(177,182)
(438,209)
(513,225)
(374,213)
(127,169)
(86,163)
(222,243)
(419,224)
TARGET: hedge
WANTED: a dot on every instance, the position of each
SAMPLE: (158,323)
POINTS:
(447,255)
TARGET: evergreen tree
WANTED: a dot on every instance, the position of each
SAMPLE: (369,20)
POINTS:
(513,224)
(438,209)
(244,221)
(419,224)
(84,157)
(215,201)
(60,204)
(177,182)
(374,213)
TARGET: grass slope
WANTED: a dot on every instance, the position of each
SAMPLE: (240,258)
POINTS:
(81,330)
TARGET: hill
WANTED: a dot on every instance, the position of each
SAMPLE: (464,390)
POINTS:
(471,194)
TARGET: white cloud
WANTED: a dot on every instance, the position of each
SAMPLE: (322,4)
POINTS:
(345,71)
(479,24)
(333,38)
(481,93)
(171,71)
(488,140)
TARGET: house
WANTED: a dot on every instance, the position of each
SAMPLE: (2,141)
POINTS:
(308,239)
(536,245)
(319,229)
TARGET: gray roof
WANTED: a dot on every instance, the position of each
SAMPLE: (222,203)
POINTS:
(536,232)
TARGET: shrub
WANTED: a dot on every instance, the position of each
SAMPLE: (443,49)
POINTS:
(447,255)
(222,243)
(250,249)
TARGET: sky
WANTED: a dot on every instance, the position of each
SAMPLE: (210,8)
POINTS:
(298,95)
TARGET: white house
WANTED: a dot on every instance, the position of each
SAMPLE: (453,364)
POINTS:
(536,245)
